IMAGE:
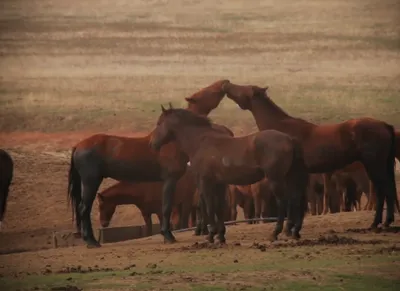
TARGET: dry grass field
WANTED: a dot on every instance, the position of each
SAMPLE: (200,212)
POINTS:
(72,68)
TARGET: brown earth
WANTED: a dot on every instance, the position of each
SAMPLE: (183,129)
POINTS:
(38,206)
(68,70)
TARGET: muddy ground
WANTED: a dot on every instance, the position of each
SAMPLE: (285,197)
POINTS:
(68,70)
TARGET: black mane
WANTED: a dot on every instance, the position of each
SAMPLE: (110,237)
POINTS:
(188,117)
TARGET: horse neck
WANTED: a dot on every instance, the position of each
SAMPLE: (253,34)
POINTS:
(196,109)
(267,114)
(189,136)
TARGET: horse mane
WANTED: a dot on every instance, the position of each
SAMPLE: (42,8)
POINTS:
(261,94)
(189,117)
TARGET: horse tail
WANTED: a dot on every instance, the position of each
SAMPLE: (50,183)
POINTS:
(391,163)
(74,190)
(300,169)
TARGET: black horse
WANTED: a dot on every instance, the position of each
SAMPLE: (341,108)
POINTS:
(6,175)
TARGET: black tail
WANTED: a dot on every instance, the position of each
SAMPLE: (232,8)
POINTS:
(74,191)
(299,168)
(391,163)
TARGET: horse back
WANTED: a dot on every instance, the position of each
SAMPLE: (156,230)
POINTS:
(121,158)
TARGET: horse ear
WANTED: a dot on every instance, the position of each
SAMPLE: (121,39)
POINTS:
(190,99)
(170,106)
(162,108)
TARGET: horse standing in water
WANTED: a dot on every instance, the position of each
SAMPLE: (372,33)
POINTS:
(331,147)
(131,159)
(6,176)
(218,160)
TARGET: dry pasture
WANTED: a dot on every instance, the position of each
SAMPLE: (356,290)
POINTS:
(72,68)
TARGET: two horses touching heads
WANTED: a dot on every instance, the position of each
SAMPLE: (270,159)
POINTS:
(285,150)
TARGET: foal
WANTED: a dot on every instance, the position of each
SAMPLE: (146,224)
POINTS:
(218,160)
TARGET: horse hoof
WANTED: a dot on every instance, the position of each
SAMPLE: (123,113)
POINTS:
(387,224)
(197,232)
(296,236)
(288,233)
(375,229)
(93,245)
(169,241)
(205,232)
(77,235)
(222,240)
(168,237)
(273,237)
(210,238)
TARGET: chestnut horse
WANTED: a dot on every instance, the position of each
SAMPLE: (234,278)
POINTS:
(6,176)
(243,197)
(147,196)
(219,160)
(129,159)
(331,147)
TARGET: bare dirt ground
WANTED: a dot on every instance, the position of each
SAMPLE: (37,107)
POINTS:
(70,69)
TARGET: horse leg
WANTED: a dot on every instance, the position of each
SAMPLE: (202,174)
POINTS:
(204,217)
(257,205)
(233,206)
(330,200)
(193,216)
(312,197)
(291,209)
(220,209)
(264,209)
(198,220)
(90,187)
(168,194)
(186,207)
(148,222)
(383,189)
(281,203)
(206,191)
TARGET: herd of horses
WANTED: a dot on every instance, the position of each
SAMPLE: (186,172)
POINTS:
(198,169)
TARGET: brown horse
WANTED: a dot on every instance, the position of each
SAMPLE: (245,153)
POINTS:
(315,193)
(129,159)
(6,176)
(218,160)
(264,199)
(349,190)
(331,147)
(148,198)
(243,197)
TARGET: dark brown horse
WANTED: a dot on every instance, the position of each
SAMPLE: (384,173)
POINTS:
(218,160)
(129,159)
(331,147)
(6,176)
(147,196)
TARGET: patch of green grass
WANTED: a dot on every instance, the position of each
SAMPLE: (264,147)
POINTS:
(289,269)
